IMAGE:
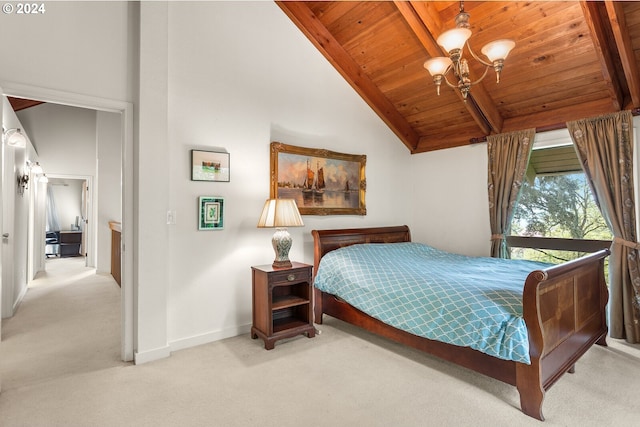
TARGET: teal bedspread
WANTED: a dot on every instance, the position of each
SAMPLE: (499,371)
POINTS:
(466,301)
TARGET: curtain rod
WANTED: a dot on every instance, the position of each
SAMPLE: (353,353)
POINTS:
(556,126)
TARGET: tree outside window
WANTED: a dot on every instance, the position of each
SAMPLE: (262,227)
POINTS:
(556,204)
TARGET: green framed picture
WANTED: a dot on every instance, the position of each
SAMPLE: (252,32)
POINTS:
(211,213)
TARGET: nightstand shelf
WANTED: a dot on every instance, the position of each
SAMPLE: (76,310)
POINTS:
(288,323)
(288,301)
(282,303)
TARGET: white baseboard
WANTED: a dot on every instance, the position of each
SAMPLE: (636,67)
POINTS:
(194,341)
(18,300)
(8,309)
(151,355)
(208,337)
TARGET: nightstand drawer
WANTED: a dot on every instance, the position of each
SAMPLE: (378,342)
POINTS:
(290,276)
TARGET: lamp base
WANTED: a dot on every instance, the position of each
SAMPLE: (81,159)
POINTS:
(281,264)
(281,242)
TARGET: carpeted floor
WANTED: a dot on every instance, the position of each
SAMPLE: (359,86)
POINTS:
(59,364)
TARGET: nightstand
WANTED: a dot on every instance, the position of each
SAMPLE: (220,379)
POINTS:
(282,302)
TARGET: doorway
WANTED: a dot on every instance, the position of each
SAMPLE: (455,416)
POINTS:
(125,176)
(69,232)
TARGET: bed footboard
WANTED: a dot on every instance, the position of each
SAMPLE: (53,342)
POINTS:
(564,309)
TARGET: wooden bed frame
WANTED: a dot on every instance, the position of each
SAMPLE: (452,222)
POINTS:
(563,306)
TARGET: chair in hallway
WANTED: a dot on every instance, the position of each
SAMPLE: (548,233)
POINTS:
(52,244)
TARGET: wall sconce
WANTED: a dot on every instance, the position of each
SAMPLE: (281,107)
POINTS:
(14,138)
(35,168)
(30,168)
(23,183)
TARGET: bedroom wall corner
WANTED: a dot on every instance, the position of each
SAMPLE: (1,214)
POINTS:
(451,207)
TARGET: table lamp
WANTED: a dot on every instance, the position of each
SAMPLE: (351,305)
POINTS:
(280,213)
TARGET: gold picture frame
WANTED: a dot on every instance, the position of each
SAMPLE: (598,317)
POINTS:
(322,182)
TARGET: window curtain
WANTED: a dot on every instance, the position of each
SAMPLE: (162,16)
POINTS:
(508,159)
(53,223)
(604,146)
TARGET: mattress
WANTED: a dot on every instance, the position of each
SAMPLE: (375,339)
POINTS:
(466,301)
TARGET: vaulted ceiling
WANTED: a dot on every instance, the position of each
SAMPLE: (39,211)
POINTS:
(572,59)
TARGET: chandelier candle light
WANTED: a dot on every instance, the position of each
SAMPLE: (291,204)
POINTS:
(280,213)
(453,41)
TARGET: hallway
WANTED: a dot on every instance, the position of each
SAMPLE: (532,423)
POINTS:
(68,324)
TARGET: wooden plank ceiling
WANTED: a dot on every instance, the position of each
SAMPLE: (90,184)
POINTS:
(573,59)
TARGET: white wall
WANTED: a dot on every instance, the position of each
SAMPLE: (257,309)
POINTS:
(269,84)
(21,208)
(81,47)
(152,257)
(450,200)
(11,157)
(65,138)
(109,183)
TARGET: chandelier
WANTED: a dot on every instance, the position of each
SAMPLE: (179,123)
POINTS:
(453,41)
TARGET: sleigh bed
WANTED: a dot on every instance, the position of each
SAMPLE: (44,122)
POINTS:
(562,307)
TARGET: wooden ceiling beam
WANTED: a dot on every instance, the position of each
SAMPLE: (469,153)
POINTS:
(424,21)
(605,55)
(307,22)
(557,118)
(625,49)
(20,103)
(420,22)
(449,141)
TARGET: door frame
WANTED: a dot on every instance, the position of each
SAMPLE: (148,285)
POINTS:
(125,109)
(90,232)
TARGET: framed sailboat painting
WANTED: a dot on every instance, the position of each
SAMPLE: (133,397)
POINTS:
(322,182)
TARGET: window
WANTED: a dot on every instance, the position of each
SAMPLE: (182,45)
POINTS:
(556,201)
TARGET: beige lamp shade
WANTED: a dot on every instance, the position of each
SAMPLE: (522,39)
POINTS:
(280,213)
(454,39)
(438,65)
(498,49)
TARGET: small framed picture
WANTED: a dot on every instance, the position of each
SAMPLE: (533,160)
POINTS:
(209,166)
(211,213)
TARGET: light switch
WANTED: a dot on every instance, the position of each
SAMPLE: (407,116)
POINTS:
(171,217)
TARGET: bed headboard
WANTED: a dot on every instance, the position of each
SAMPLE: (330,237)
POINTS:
(328,240)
